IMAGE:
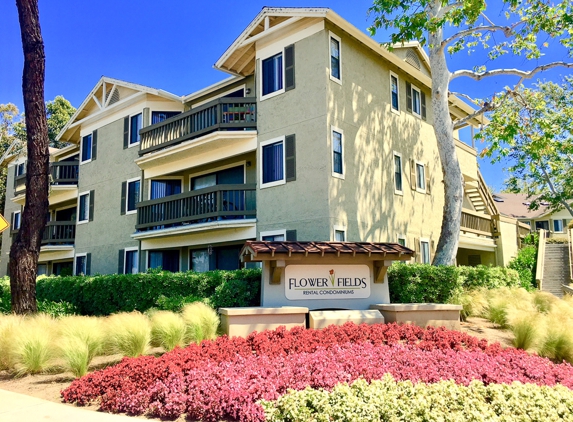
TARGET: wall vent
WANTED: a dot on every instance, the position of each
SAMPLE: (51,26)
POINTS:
(412,58)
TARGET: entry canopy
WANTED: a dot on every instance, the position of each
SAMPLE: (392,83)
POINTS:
(254,251)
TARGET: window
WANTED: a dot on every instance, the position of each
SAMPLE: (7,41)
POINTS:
(200,260)
(42,269)
(168,260)
(339,236)
(132,196)
(273,236)
(20,169)
(397,173)
(273,162)
(337,154)
(420,177)
(425,250)
(335,72)
(402,240)
(81,265)
(544,224)
(394,92)
(17,220)
(159,116)
(86,148)
(131,262)
(164,187)
(416,102)
(273,74)
(83,207)
(135,125)
(557,225)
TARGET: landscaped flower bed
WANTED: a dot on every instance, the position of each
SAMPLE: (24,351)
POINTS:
(226,378)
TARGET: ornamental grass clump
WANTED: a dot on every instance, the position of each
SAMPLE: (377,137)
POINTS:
(544,300)
(128,334)
(202,322)
(167,330)
(82,339)
(525,329)
(34,346)
(9,327)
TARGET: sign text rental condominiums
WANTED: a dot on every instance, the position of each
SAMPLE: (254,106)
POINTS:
(305,282)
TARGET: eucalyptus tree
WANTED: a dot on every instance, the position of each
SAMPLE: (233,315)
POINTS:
(525,28)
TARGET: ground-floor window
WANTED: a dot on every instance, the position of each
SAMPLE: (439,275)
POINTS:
(168,260)
(425,249)
(215,258)
(62,268)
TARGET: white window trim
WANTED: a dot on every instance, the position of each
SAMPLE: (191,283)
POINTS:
(392,109)
(278,92)
(76,261)
(425,240)
(130,145)
(128,181)
(332,130)
(397,154)
(563,226)
(78,208)
(418,189)
(404,238)
(221,95)
(14,218)
(181,178)
(277,182)
(415,88)
(126,250)
(273,233)
(82,148)
(337,38)
(338,228)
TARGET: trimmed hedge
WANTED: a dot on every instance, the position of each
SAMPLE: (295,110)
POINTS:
(391,400)
(107,294)
(423,283)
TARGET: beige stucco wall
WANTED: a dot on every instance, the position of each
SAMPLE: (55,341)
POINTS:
(9,208)
(507,245)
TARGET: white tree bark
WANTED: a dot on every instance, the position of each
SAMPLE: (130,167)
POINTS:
(447,247)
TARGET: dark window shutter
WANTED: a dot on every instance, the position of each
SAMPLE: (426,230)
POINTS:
(88,264)
(289,67)
(125,132)
(92,199)
(94,145)
(427,174)
(12,220)
(120,261)
(423,101)
(290,157)
(291,235)
(409,96)
(413,181)
(123,194)
(417,250)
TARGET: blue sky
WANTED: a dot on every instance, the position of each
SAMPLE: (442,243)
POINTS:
(171,46)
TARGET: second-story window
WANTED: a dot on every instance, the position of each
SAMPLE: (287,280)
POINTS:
(273,74)
(135,125)
(20,169)
(416,105)
(132,197)
(420,177)
(397,173)
(335,72)
(394,92)
(85,206)
(87,148)
(273,162)
(425,249)
(17,220)
(337,153)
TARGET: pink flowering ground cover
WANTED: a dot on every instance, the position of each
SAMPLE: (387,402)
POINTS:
(224,379)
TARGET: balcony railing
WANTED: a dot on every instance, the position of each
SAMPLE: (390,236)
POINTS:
(477,223)
(221,202)
(64,173)
(57,233)
(219,114)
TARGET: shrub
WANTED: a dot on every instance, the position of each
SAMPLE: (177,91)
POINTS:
(33,347)
(128,334)
(56,309)
(201,321)
(388,399)
(174,303)
(488,277)
(525,263)
(167,330)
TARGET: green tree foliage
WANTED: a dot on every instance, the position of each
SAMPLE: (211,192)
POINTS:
(9,116)
(531,129)
(523,29)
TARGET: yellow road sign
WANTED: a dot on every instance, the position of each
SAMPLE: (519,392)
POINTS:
(3,223)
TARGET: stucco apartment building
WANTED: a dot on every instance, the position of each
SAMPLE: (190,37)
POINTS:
(320,134)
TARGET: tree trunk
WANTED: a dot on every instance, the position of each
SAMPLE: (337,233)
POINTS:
(26,247)
(447,247)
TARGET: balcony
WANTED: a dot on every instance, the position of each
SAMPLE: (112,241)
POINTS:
(210,205)
(63,177)
(222,114)
(57,233)
(476,223)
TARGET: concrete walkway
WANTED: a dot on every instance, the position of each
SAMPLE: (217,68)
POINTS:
(16,407)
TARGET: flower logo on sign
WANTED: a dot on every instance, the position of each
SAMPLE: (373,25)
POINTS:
(332,277)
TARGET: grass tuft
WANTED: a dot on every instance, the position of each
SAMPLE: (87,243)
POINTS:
(128,334)
(557,345)
(33,345)
(543,301)
(524,327)
(167,330)
(9,328)
(201,320)
(81,340)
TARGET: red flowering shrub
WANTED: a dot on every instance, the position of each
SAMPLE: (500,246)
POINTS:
(225,378)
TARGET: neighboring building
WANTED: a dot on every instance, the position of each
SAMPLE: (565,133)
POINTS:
(516,205)
(321,134)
